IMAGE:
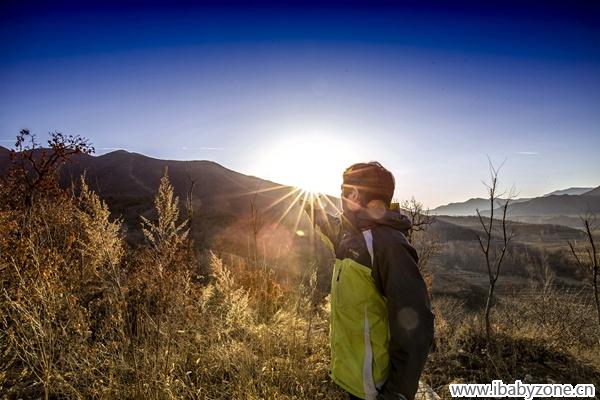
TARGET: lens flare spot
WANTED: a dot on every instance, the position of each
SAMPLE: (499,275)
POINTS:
(408,318)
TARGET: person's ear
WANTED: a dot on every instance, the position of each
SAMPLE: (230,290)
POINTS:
(354,195)
(353,199)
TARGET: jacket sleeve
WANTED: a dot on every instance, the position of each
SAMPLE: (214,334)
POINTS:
(398,278)
(329,226)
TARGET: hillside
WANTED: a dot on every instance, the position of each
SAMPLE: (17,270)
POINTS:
(593,192)
(222,201)
(524,232)
(559,203)
(459,268)
(574,191)
(128,182)
(4,157)
(469,207)
(124,174)
(563,209)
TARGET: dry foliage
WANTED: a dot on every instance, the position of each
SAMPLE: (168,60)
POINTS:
(426,243)
(549,338)
(84,316)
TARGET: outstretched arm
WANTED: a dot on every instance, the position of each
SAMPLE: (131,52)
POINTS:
(328,225)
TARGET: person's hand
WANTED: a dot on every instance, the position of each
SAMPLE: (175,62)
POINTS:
(314,203)
(315,210)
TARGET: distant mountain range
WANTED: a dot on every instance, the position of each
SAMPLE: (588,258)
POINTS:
(574,191)
(559,207)
(470,207)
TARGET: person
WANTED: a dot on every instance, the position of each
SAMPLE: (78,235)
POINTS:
(381,326)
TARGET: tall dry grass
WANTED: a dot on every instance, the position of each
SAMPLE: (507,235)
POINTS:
(84,316)
(548,337)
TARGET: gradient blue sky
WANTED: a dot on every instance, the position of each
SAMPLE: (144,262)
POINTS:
(428,89)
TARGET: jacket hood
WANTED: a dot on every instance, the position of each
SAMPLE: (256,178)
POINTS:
(367,218)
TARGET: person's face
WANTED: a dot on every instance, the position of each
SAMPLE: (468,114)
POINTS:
(350,198)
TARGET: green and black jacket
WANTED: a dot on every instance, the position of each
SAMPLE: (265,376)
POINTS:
(381,320)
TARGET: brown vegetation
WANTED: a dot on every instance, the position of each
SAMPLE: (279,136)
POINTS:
(85,315)
(549,338)
(590,264)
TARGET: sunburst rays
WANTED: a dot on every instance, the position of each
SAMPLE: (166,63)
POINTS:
(254,192)
(292,204)
(301,199)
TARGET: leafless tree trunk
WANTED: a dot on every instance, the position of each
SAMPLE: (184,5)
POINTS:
(190,201)
(592,264)
(426,245)
(190,212)
(419,216)
(256,224)
(493,257)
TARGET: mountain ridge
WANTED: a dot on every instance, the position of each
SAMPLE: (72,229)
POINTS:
(125,177)
(570,191)
(559,203)
(593,192)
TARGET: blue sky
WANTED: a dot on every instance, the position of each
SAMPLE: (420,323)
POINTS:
(428,89)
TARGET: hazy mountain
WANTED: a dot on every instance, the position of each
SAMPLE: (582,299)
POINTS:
(593,192)
(469,207)
(470,226)
(564,209)
(559,207)
(573,191)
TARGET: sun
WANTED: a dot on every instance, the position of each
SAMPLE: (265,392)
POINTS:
(312,162)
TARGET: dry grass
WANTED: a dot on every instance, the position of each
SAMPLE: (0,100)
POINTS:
(549,338)
(83,315)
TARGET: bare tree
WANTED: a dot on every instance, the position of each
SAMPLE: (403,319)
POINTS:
(419,216)
(426,245)
(189,205)
(494,255)
(257,223)
(591,265)
(34,169)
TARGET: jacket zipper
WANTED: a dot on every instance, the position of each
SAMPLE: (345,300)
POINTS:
(339,272)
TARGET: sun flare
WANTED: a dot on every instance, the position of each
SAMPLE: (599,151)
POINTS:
(313,163)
